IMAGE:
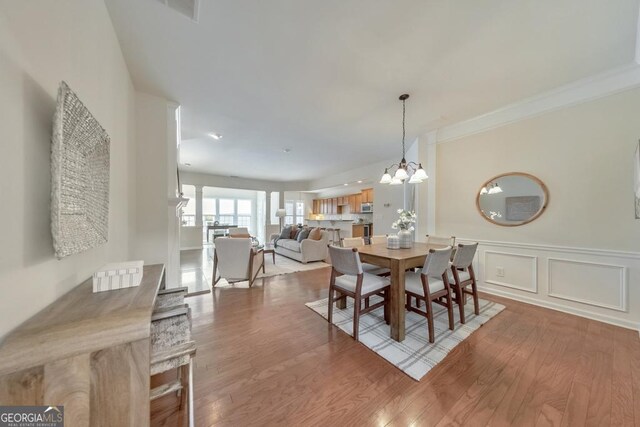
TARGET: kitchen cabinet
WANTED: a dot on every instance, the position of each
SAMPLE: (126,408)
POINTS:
(367,195)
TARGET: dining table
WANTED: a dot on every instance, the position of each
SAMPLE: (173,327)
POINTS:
(398,261)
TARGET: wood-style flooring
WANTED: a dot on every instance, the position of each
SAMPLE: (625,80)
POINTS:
(265,359)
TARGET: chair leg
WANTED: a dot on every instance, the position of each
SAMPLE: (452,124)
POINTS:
(184,381)
(450,309)
(190,388)
(356,316)
(330,310)
(366,302)
(418,302)
(430,321)
(476,303)
(408,304)
(460,298)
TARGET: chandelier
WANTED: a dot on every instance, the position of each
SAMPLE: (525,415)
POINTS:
(404,169)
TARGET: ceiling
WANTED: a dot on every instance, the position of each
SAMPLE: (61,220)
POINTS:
(322,78)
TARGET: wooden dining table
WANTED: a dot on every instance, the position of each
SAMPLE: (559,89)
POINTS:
(398,261)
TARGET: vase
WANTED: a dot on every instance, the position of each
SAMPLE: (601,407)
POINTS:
(393,242)
(406,239)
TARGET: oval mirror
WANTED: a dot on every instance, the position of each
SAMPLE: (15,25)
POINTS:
(512,199)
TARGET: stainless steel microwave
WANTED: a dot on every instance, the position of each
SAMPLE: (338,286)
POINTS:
(366,207)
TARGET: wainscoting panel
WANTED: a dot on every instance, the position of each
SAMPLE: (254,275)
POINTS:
(602,285)
(511,270)
(595,283)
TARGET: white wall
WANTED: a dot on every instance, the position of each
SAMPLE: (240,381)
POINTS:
(42,43)
(582,255)
(153,210)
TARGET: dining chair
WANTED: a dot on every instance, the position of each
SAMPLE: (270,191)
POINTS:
(236,260)
(354,242)
(461,275)
(441,240)
(376,240)
(348,278)
(430,285)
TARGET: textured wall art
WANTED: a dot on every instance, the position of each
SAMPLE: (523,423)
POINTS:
(79,177)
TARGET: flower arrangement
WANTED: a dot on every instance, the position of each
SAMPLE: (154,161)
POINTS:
(405,221)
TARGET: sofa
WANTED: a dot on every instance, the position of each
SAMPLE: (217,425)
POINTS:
(305,251)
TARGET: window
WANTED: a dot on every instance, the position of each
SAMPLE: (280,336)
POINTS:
(188,218)
(244,213)
(294,212)
(289,218)
(275,204)
(209,210)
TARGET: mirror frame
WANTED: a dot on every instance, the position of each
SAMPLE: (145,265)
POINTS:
(545,202)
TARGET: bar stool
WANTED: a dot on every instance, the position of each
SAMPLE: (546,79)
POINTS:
(334,236)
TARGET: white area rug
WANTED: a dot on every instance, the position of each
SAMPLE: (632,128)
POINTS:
(283,265)
(415,356)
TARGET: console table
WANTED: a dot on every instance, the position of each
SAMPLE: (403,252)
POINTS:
(87,351)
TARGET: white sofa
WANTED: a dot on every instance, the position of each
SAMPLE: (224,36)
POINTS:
(306,251)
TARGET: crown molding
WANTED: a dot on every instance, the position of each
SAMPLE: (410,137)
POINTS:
(577,92)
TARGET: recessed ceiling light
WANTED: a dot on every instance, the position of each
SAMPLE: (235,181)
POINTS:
(345,184)
(187,164)
(216,136)
(360,182)
(286,150)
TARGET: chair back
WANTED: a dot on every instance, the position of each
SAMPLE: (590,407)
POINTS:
(352,242)
(233,257)
(437,262)
(376,240)
(345,260)
(441,240)
(238,231)
(464,255)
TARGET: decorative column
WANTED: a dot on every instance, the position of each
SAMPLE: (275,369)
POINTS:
(198,206)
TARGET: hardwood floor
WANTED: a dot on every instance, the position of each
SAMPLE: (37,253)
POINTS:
(265,359)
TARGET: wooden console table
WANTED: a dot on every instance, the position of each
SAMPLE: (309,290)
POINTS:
(88,352)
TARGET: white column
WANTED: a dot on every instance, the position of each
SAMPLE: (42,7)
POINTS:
(198,205)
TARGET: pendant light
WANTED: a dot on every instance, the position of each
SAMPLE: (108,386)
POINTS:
(404,170)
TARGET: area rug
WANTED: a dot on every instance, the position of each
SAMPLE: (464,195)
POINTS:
(283,265)
(415,356)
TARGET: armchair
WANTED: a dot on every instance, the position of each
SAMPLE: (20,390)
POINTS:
(236,260)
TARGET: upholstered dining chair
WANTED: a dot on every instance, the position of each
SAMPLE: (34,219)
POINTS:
(461,275)
(355,242)
(431,285)
(441,240)
(376,240)
(348,278)
(236,260)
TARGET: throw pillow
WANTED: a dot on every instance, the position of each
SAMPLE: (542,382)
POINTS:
(286,232)
(243,235)
(294,232)
(316,234)
(303,234)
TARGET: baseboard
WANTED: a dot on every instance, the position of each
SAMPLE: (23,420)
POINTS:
(570,310)
(191,248)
